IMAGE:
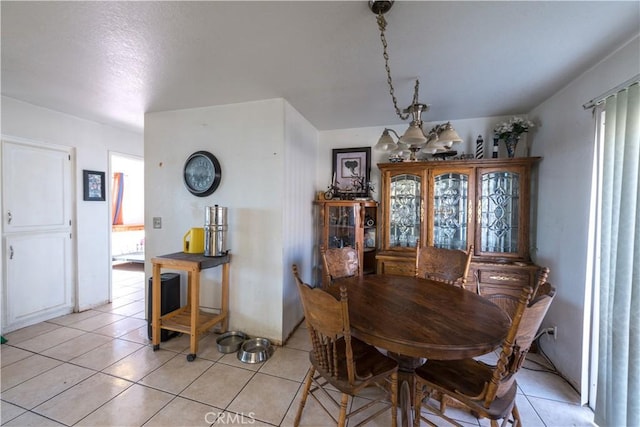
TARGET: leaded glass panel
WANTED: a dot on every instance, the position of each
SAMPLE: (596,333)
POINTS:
(404,221)
(500,206)
(451,199)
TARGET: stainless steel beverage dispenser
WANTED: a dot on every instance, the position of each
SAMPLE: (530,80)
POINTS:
(215,231)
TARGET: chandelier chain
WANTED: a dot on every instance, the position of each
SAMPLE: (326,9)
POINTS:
(382,24)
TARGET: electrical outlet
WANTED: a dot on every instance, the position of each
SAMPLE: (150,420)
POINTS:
(157,222)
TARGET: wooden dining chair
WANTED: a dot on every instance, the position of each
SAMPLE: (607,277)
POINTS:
(443,265)
(509,303)
(542,286)
(340,361)
(339,263)
(486,391)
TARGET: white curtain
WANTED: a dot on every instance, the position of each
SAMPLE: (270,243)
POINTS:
(618,384)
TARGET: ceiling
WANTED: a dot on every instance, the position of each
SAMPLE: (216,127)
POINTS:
(112,62)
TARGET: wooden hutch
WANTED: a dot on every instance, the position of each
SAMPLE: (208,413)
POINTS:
(455,204)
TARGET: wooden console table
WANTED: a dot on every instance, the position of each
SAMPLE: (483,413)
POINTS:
(188,319)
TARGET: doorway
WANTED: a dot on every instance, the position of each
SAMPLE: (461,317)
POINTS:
(127,223)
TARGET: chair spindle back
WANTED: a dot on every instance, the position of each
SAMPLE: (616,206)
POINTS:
(525,323)
(328,320)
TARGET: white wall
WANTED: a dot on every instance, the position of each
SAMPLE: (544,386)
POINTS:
(91,141)
(249,141)
(566,141)
(301,142)
(468,129)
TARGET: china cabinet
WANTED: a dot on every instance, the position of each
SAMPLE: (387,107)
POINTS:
(342,223)
(455,204)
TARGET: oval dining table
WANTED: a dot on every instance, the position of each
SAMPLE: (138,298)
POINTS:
(415,318)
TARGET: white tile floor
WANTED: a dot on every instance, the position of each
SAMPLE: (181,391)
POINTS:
(97,368)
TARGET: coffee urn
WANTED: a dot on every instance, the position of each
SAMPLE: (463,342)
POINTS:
(215,231)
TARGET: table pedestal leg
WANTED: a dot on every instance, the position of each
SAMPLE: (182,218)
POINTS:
(406,367)
(406,412)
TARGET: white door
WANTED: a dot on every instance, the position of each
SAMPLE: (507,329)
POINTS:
(36,229)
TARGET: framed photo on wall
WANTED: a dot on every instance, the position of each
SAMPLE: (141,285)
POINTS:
(351,168)
(94,185)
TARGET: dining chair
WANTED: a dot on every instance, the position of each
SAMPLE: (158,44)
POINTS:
(340,262)
(444,265)
(486,391)
(509,303)
(542,286)
(342,362)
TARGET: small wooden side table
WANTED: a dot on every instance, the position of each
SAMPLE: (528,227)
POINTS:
(188,319)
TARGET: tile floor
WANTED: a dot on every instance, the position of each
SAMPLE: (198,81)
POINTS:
(97,368)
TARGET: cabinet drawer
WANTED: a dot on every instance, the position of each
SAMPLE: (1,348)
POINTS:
(513,290)
(504,277)
(397,268)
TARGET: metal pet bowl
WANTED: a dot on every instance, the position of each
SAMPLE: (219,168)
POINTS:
(230,342)
(255,350)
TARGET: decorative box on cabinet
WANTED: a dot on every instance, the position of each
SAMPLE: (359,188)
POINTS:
(342,223)
(453,204)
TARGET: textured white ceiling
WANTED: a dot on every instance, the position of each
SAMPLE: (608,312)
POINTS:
(114,61)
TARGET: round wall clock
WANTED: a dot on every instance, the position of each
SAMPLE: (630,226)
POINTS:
(202,173)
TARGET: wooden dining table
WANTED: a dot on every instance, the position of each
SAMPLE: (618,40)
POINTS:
(416,318)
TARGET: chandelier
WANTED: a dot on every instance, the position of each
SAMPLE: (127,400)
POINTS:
(439,139)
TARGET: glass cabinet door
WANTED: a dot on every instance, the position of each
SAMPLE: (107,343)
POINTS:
(450,210)
(341,226)
(404,210)
(499,227)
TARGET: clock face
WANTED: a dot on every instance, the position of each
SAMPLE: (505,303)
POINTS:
(202,173)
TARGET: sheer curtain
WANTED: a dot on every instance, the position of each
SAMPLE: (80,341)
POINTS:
(618,388)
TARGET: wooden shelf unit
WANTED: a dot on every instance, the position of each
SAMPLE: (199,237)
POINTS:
(189,319)
(346,223)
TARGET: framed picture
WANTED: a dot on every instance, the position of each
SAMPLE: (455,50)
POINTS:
(351,168)
(94,185)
